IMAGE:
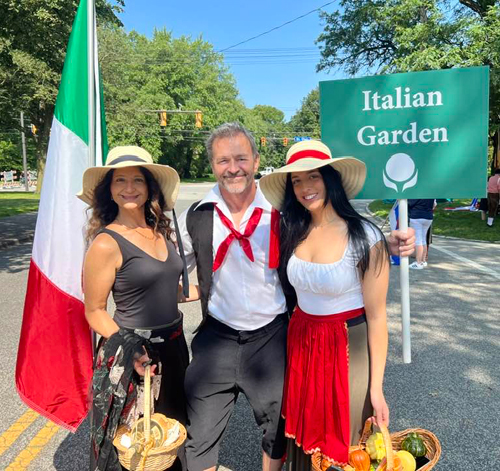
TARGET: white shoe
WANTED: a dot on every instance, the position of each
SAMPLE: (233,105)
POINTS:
(417,266)
(424,264)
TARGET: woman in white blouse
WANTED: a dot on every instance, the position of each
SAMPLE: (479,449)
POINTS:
(337,264)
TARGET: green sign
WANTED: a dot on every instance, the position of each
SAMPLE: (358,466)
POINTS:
(420,134)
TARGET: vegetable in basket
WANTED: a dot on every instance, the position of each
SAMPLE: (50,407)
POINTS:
(414,444)
(359,460)
(407,459)
(375,446)
(398,465)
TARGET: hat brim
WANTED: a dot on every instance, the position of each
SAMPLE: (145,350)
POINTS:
(167,178)
(352,171)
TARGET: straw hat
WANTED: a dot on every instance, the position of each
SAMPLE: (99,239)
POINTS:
(132,156)
(309,155)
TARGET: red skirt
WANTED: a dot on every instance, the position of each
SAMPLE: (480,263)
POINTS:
(316,393)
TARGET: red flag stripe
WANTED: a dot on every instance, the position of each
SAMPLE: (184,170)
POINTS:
(52,317)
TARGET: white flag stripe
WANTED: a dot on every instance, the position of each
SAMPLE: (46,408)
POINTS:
(58,247)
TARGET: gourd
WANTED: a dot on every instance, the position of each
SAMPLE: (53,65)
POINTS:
(359,460)
(407,459)
(414,444)
(375,446)
(398,465)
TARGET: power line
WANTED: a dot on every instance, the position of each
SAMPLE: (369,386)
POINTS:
(277,27)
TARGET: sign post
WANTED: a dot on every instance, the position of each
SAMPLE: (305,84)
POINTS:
(420,134)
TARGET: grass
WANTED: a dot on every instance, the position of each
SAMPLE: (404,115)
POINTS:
(462,224)
(206,179)
(17,202)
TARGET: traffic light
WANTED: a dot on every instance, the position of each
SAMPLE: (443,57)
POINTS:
(163,118)
(34,130)
(285,141)
(198,119)
(263,141)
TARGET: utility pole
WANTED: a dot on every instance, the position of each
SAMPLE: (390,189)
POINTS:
(25,162)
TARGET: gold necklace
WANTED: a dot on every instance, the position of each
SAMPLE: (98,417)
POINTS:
(135,229)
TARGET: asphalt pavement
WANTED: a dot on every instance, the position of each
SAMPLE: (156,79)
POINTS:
(452,386)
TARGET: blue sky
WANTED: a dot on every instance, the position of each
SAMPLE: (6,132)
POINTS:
(281,80)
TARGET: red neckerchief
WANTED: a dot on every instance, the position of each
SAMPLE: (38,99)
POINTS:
(243,239)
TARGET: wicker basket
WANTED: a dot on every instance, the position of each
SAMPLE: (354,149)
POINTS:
(151,456)
(393,443)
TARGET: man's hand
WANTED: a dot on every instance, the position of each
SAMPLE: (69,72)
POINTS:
(402,244)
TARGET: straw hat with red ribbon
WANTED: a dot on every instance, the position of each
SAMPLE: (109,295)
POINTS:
(309,155)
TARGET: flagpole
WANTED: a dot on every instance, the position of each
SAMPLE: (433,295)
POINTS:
(91,79)
(91,103)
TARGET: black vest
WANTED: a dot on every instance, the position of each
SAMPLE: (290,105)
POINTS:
(200,226)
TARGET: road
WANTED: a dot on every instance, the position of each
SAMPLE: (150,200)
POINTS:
(452,386)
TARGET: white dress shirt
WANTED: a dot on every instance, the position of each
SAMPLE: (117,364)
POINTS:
(245,295)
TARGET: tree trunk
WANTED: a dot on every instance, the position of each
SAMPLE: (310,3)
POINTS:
(496,151)
(40,164)
(189,159)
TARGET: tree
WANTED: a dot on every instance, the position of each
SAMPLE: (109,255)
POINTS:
(11,157)
(306,120)
(410,35)
(33,38)
(181,75)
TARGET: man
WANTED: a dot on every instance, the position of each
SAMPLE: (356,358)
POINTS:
(240,347)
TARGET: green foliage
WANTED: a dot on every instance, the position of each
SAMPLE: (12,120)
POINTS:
(33,39)
(11,155)
(141,75)
(306,120)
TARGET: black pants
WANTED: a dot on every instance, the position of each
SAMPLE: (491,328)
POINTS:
(226,362)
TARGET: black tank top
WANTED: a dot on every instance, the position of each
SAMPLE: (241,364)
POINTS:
(145,288)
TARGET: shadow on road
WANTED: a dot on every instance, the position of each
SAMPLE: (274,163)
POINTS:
(15,259)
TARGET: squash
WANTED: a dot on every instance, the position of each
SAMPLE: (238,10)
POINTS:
(375,446)
(398,465)
(359,460)
(414,444)
(407,459)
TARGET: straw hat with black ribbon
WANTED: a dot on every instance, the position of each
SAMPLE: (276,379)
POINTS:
(309,155)
(132,156)
(167,178)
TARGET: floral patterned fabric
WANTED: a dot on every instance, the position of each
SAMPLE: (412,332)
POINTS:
(114,391)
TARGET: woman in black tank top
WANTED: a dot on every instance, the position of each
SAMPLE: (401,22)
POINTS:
(132,255)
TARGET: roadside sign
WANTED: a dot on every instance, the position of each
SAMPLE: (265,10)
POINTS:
(421,134)
(301,138)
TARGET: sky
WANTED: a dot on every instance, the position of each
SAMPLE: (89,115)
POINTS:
(277,69)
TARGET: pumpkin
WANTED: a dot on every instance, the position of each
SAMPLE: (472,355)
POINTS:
(409,463)
(359,460)
(375,446)
(414,444)
(398,465)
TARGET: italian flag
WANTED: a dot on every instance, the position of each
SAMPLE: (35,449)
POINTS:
(54,361)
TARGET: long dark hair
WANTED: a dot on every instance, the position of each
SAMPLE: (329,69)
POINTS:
(296,220)
(105,210)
